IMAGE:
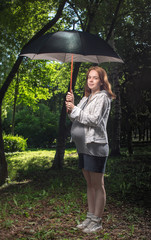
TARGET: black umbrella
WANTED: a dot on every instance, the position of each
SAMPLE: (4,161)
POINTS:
(66,46)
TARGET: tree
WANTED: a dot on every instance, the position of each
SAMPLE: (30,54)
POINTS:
(88,23)
(134,29)
(3,90)
(62,133)
(116,118)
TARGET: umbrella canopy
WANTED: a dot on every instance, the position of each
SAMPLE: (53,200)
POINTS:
(71,46)
(60,46)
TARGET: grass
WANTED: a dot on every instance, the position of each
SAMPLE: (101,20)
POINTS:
(41,203)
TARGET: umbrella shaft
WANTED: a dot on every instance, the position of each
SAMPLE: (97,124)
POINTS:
(71,72)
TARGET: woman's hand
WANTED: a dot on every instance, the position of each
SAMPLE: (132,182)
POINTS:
(69,106)
(70,97)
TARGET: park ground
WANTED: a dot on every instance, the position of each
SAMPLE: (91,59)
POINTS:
(39,203)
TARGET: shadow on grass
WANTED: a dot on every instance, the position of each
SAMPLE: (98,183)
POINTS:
(47,204)
(129,179)
(37,178)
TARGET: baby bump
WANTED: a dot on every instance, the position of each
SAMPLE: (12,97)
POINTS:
(77,131)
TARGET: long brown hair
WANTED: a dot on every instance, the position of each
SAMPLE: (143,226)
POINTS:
(104,80)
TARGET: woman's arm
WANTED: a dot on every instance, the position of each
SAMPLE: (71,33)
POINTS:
(74,112)
(94,117)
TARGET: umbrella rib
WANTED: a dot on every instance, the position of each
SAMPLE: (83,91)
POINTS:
(82,44)
(64,58)
(33,56)
(97,59)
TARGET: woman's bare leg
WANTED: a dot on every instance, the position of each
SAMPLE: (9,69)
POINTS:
(90,192)
(97,183)
(96,194)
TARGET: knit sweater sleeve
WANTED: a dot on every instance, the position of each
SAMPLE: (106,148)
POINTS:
(95,115)
(76,110)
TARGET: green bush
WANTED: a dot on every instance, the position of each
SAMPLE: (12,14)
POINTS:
(14,143)
(40,126)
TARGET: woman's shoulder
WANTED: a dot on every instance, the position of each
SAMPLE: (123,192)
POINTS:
(83,99)
(103,94)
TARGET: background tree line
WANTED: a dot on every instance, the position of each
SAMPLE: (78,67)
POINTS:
(32,92)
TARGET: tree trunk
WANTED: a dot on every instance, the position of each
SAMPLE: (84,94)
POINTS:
(116,126)
(150,131)
(9,79)
(3,163)
(114,20)
(140,134)
(147,132)
(129,139)
(3,90)
(62,135)
(116,122)
(60,148)
(14,106)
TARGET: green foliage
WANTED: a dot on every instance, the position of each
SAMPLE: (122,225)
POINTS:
(28,87)
(14,143)
(40,126)
(19,20)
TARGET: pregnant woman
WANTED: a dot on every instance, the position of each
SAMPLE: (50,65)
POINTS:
(89,133)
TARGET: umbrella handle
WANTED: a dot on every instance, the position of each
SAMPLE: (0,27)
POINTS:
(71,72)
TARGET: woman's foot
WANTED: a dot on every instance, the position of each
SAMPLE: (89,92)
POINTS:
(94,226)
(86,222)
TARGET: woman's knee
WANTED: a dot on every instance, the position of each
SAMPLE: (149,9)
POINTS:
(87,177)
(97,181)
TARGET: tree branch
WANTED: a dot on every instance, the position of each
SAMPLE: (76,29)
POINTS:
(19,59)
(73,7)
(114,20)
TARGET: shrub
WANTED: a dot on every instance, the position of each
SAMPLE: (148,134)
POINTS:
(40,126)
(14,143)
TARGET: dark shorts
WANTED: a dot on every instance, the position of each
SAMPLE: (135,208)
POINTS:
(92,163)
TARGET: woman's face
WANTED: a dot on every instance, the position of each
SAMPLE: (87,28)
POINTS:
(93,81)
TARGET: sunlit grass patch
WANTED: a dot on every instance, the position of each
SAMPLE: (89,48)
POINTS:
(23,158)
(28,161)
(29,164)
(36,158)
(71,158)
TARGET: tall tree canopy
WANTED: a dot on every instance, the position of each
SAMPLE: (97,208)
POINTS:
(125,24)
(5,85)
